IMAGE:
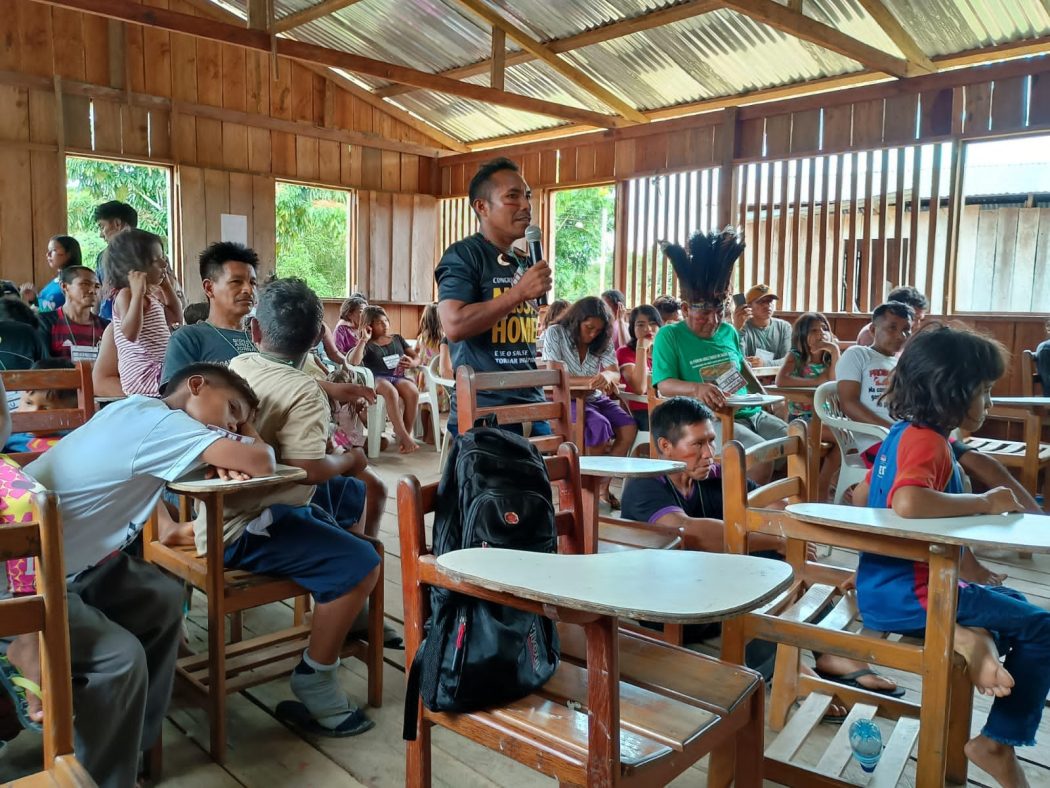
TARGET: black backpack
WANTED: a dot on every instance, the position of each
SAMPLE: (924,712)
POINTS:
(495,492)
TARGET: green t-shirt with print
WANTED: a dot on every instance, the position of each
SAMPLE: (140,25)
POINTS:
(679,354)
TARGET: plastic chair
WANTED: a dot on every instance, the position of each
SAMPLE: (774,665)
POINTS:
(853,470)
(642,438)
(376,413)
(430,397)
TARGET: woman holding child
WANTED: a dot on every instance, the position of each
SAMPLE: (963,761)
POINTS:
(582,341)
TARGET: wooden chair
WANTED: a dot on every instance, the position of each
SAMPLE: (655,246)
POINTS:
(227,668)
(622,709)
(46,612)
(820,612)
(1031,382)
(59,419)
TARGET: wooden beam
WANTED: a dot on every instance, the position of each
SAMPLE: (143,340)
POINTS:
(570,72)
(806,28)
(637,24)
(215,12)
(176,22)
(497,76)
(286,23)
(259,12)
(903,40)
(752,103)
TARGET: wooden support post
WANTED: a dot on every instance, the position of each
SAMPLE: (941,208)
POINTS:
(955,202)
(499,59)
(60,141)
(726,170)
(117,58)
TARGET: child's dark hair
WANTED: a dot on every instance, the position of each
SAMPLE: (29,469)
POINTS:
(584,309)
(650,313)
(667,306)
(351,305)
(15,309)
(671,417)
(555,312)
(430,332)
(615,298)
(115,209)
(800,334)
(290,316)
(196,313)
(215,374)
(939,372)
(72,247)
(371,314)
(910,296)
(213,259)
(69,274)
(131,250)
(67,395)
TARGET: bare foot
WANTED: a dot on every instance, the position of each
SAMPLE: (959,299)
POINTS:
(832,665)
(407,446)
(999,760)
(835,709)
(973,571)
(24,654)
(987,673)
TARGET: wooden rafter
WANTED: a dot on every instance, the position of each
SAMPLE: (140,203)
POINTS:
(259,13)
(498,74)
(587,38)
(806,28)
(286,23)
(570,72)
(757,100)
(213,11)
(904,41)
(177,22)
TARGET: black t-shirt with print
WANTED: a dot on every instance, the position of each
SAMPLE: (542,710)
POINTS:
(376,355)
(474,270)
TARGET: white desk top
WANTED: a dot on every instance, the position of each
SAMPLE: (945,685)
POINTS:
(196,483)
(765,372)
(671,586)
(1026,402)
(628,467)
(751,400)
(1028,532)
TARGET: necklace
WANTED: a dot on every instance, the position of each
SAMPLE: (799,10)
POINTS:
(69,328)
(226,339)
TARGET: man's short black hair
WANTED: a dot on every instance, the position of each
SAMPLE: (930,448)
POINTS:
(909,296)
(479,184)
(893,308)
(115,209)
(290,316)
(216,375)
(212,259)
(670,418)
(69,274)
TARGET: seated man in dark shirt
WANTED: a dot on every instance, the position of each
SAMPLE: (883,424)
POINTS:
(683,430)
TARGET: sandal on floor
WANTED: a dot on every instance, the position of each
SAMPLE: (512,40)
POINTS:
(17,685)
(850,680)
(296,716)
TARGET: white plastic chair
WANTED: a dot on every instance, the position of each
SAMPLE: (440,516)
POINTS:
(642,438)
(852,470)
(430,397)
(434,379)
(376,414)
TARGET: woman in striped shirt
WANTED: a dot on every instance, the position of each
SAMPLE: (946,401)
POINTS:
(145,305)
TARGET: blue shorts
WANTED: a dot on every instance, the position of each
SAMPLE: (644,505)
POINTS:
(312,544)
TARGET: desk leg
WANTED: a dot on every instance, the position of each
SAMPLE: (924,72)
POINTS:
(603,701)
(591,496)
(938,651)
(216,629)
(727,419)
(813,471)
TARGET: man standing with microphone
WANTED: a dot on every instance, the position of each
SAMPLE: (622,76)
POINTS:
(487,293)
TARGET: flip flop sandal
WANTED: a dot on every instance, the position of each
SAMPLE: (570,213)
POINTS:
(17,686)
(297,717)
(850,680)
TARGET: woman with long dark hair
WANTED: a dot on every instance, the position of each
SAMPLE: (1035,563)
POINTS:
(582,340)
(635,361)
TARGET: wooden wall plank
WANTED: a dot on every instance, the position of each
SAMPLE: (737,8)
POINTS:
(234,79)
(401,248)
(235,146)
(209,142)
(264,220)
(157,64)
(306,164)
(193,230)
(900,118)
(14,120)
(11,41)
(282,154)
(107,127)
(96,49)
(380,245)
(37,38)
(134,122)
(1039,100)
(48,208)
(328,161)
(372,169)
(242,200)
(258,149)
(16,234)
(390,164)
(838,128)
(1008,104)
(42,118)
(976,116)
(160,134)
(805,131)
(935,113)
(424,245)
(778,136)
(68,29)
(209,72)
(183,67)
(867,123)
(750,138)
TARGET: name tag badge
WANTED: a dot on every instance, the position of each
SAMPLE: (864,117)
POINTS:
(391,361)
(233,436)
(83,353)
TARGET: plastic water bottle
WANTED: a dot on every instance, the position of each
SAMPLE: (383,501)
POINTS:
(865,740)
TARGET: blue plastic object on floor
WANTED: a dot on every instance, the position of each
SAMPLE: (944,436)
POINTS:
(865,740)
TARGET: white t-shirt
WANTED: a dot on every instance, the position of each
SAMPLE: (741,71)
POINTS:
(872,371)
(110,473)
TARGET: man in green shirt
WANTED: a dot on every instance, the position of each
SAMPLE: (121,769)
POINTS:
(701,357)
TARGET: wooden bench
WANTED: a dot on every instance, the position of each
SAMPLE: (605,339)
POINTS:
(227,668)
(46,612)
(819,612)
(621,709)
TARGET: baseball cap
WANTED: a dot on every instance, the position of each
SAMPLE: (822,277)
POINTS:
(757,292)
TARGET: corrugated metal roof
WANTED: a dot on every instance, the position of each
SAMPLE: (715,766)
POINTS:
(720,53)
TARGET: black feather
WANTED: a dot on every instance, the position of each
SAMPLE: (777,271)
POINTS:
(705,271)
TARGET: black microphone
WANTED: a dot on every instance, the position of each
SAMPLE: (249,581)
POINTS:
(533,234)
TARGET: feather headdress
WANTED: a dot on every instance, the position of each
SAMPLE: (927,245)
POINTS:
(705,270)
